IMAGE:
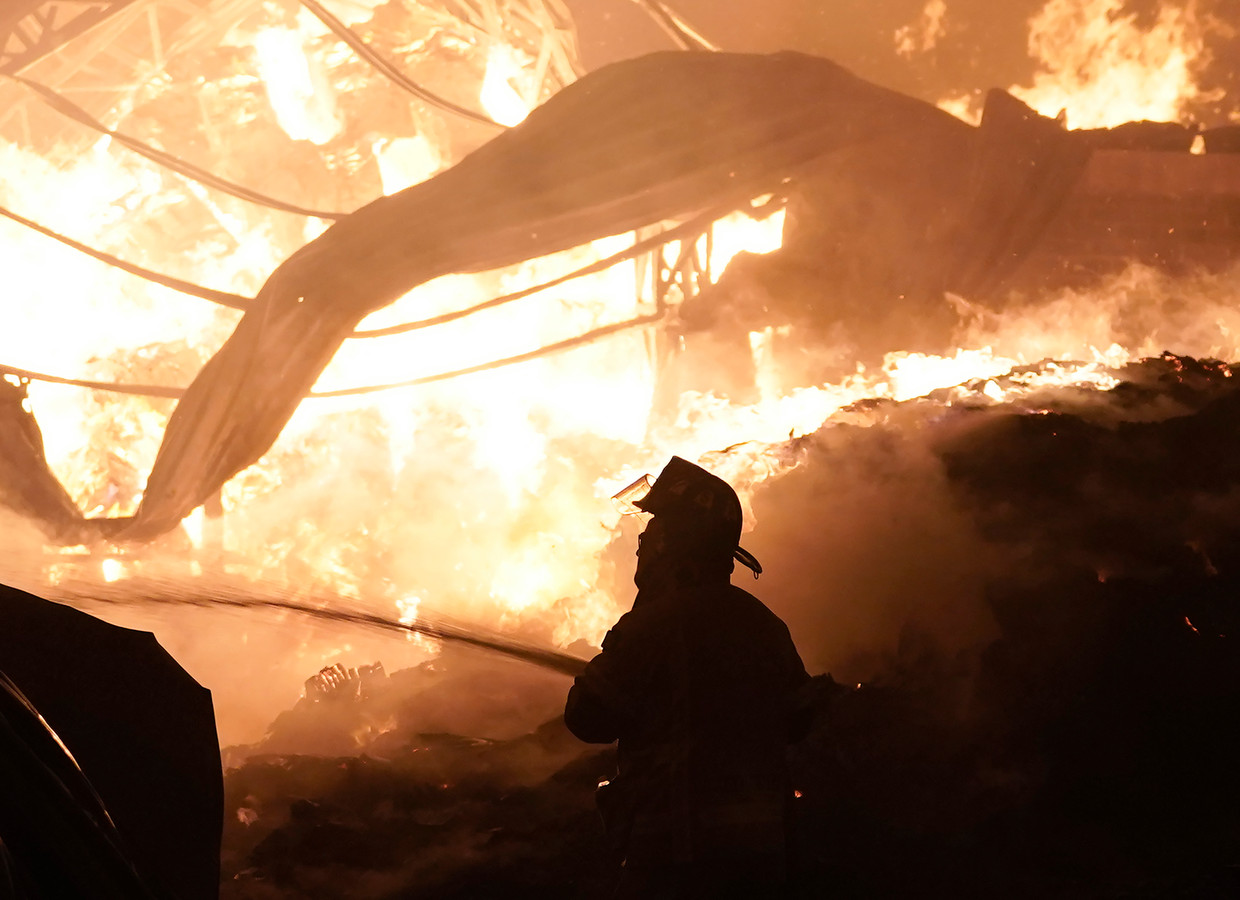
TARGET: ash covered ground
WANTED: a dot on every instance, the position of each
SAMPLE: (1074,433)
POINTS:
(1028,610)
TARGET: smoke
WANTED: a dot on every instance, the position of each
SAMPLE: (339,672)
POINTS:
(869,536)
(863,542)
(1141,309)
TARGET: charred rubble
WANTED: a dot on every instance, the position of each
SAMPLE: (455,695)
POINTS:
(1087,748)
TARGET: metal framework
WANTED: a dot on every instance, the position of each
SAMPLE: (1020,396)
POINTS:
(96,50)
(686,272)
(30,29)
(98,57)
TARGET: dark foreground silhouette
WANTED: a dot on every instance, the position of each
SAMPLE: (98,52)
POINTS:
(137,809)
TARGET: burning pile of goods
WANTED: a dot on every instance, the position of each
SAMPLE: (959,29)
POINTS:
(960,362)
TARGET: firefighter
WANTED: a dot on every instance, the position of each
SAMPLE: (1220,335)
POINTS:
(700,683)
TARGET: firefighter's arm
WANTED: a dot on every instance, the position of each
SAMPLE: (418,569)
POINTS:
(599,706)
(588,717)
(802,695)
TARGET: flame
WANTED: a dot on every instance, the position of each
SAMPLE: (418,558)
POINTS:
(297,87)
(405,161)
(92,197)
(500,97)
(486,496)
(1099,65)
(530,525)
(741,232)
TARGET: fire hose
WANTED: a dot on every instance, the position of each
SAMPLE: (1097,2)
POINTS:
(328,608)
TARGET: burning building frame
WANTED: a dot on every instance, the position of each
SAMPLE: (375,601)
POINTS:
(372,305)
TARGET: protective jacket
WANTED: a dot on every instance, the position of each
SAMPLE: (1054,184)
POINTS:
(700,687)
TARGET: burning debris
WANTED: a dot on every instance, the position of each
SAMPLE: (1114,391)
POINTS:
(978,488)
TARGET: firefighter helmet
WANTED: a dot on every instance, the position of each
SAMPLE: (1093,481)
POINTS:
(695,500)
